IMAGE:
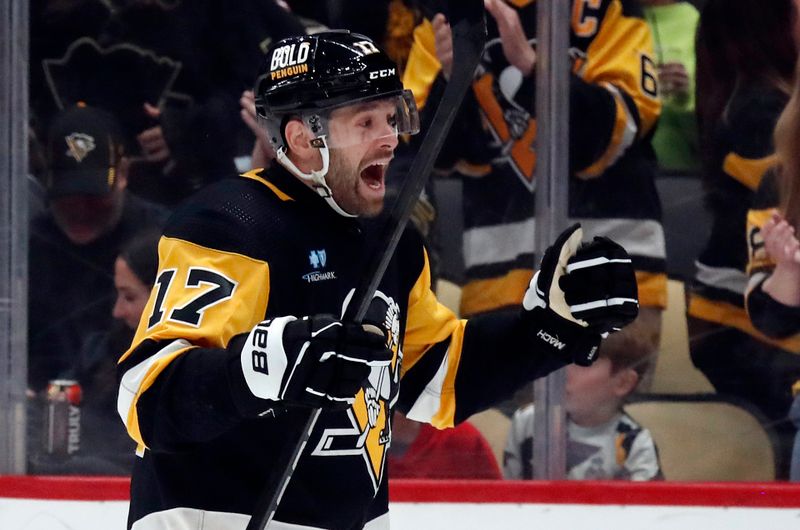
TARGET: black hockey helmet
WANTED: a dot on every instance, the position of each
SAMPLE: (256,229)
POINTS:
(309,76)
(322,71)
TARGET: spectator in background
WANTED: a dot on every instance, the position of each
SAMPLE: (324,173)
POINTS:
(773,303)
(614,106)
(773,295)
(105,447)
(183,132)
(603,442)
(746,54)
(674,24)
(134,274)
(422,451)
(75,242)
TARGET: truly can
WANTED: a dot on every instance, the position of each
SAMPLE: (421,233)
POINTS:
(62,417)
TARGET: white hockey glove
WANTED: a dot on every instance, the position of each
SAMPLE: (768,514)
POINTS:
(315,361)
(579,294)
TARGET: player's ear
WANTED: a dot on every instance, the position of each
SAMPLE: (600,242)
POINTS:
(298,138)
(300,150)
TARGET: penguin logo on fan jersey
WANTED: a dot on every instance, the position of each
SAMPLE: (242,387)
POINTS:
(370,432)
(508,117)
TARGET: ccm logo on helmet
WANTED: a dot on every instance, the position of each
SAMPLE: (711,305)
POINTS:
(289,60)
(389,72)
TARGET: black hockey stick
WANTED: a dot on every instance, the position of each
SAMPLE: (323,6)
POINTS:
(466,19)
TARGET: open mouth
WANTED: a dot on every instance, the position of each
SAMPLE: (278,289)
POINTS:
(373,174)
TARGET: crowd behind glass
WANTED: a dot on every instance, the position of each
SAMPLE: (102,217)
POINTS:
(136,104)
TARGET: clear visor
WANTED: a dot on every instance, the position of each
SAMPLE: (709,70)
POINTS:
(366,122)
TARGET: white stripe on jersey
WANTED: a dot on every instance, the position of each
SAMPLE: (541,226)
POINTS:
(485,245)
(496,244)
(726,278)
(132,379)
(193,519)
(639,237)
(429,401)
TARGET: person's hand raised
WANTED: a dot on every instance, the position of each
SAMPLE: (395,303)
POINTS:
(516,48)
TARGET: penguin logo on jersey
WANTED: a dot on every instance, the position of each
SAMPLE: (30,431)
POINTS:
(369,433)
(508,118)
(511,124)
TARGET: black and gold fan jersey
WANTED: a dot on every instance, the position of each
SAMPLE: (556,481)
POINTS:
(741,151)
(261,246)
(770,318)
(614,106)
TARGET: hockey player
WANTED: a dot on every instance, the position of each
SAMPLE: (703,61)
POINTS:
(242,332)
(613,108)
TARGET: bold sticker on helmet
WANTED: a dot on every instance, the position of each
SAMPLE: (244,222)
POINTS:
(289,71)
(289,55)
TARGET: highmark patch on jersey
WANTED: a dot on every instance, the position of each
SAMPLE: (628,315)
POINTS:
(370,433)
(318,260)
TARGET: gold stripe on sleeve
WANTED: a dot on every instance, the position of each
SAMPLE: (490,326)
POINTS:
(479,296)
(652,289)
(617,55)
(230,298)
(621,138)
(430,323)
(218,321)
(422,66)
(736,317)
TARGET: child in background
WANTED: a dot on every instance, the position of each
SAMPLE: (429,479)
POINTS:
(603,442)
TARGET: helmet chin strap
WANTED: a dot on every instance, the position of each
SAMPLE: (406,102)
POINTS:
(316,178)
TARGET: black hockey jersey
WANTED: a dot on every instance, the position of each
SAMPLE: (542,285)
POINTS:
(741,151)
(614,106)
(263,246)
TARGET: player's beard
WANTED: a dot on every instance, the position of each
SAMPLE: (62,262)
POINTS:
(344,179)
